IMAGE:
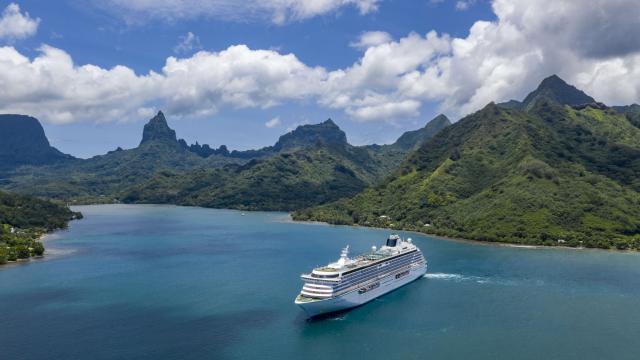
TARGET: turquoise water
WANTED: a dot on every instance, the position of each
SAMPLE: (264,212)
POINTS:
(163,282)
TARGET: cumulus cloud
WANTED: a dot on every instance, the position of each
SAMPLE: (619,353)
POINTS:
(15,24)
(371,38)
(372,83)
(53,87)
(277,11)
(187,43)
(385,110)
(592,47)
(273,122)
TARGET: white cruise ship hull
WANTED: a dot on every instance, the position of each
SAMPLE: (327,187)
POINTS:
(354,298)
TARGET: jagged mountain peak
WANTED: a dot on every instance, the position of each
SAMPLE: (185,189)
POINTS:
(157,129)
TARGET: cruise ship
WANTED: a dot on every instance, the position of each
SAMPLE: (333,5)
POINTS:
(347,282)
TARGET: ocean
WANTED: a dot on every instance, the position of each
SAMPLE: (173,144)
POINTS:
(168,282)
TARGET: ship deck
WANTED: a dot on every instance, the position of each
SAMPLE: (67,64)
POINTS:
(359,261)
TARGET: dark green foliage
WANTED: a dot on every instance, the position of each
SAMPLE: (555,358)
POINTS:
(549,175)
(23,219)
(632,112)
(26,212)
(389,156)
(282,182)
(38,248)
(311,165)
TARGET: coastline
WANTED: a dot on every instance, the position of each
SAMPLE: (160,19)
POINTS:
(289,219)
(49,253)
(53,252)
(468,241)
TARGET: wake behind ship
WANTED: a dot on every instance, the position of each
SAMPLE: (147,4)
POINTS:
(347,282)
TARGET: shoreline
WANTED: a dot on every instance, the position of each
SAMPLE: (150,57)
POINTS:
(46,237)
(439,237)
(467,241)
(51,236)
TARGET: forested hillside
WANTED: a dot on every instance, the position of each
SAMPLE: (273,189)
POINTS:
(23,219)
(552,172)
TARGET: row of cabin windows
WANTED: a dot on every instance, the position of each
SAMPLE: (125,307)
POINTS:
(374,269)
(331,276)
(389,261)
(362,277)
(350,277)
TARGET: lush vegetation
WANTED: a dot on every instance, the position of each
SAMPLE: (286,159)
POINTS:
(555,169)
(23,219)
(284,182)
(547,174)
(313,164)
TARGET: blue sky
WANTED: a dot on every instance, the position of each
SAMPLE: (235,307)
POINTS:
(94,71)
(94,36)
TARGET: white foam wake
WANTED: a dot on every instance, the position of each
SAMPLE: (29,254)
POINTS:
(477,279)
(444,276)
(458,277)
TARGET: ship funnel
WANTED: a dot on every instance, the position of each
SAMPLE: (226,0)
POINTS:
(393,240)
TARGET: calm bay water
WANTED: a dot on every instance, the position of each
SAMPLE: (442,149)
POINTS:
(163,282)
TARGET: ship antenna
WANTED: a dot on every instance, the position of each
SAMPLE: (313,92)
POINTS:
(345,252)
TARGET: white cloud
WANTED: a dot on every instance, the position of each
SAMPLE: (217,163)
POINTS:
(277,11)
(16,25)
(51,86)
(273,122)
(188,43)
(593,47)
(371,38)
(373,81)
(385,110)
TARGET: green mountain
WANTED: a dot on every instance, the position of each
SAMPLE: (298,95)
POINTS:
(157,130)
(391,155)
(305,136)
(102,178)
(547,173)
(283,182)
(23,219)
(312,164)
(23,142)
